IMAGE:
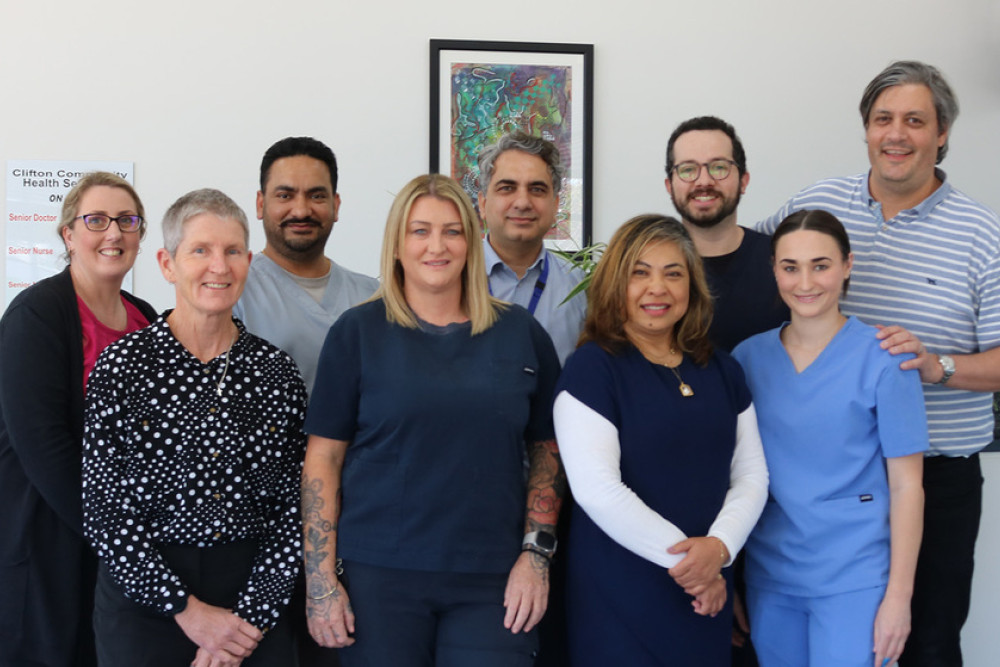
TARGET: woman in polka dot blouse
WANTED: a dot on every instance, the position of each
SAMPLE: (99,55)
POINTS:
(193,448)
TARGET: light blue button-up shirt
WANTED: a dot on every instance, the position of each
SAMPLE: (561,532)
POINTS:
(562,321)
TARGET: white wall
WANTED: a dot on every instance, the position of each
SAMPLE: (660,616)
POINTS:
(194,91)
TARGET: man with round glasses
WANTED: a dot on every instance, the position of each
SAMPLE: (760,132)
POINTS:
(706,175)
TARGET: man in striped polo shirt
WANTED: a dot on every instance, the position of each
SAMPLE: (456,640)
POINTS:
(926,258)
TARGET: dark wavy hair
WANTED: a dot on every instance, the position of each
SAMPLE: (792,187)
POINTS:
(606,296)
(913,71)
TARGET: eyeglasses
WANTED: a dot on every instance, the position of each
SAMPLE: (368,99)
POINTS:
(717,169)
(97,222)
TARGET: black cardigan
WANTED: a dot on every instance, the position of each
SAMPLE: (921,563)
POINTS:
(46,568)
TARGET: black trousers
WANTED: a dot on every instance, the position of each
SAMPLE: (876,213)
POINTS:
(133,635)
(431,619)
(953,502)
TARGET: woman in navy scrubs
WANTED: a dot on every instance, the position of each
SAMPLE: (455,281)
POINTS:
(429,399)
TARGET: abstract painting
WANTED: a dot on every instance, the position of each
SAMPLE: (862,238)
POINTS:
(481,90)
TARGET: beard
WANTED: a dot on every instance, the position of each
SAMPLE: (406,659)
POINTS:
(292,245)
(707,219)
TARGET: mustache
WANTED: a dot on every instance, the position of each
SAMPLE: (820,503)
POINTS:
(301,221)
(704,191)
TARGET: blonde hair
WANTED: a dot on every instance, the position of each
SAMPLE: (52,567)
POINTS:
(481,308)
(606,296)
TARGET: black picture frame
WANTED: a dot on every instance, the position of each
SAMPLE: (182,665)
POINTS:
(481,89)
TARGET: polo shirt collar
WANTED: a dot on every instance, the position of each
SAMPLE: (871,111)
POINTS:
(926,206)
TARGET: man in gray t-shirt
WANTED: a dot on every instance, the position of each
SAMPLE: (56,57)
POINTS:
(294,292)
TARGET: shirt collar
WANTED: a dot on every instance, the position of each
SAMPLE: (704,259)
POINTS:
(927,205)
(161,326)
(493,259)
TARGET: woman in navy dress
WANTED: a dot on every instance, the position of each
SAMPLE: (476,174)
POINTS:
(659,438)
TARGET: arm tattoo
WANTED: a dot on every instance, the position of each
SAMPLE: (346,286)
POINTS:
(540,564)
(547,486)
(319,538)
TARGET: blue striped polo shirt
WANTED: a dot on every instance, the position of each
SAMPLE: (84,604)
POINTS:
(934,269)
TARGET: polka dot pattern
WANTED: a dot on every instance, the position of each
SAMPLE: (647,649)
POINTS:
(167,460)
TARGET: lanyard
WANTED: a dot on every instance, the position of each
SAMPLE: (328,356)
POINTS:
(539,284)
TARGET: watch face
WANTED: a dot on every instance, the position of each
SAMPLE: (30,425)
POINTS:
(545,541)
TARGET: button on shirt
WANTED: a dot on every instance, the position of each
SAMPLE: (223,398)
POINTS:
(562,321)
(168,460)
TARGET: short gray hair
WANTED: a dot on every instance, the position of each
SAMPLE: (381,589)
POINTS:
(195,203)
(524,142)
(913,71)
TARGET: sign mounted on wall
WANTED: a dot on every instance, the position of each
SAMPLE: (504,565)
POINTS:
(35,191)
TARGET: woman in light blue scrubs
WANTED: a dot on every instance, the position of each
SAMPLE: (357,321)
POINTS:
(830,564)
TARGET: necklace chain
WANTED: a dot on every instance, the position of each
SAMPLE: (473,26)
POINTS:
(225,369)
(683,387)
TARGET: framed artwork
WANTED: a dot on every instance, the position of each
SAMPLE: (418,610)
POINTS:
(481,90)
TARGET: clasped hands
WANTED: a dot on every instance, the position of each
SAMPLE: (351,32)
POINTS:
(699,573)
(223,638)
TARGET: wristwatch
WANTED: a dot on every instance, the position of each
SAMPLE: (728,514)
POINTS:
(540,542)
(948,366)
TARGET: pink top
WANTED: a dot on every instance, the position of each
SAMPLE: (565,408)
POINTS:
(97,335)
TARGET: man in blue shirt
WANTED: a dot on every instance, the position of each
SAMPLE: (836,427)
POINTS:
(926,257)
(520,177)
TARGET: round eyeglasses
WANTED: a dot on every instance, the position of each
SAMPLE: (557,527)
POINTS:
(718,169)
(98,222)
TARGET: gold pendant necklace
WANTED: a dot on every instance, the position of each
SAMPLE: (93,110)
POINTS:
(685,388)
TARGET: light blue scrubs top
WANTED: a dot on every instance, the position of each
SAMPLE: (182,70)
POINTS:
(826,432)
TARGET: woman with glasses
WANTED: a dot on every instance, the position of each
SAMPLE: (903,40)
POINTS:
(659,437)
(50,338)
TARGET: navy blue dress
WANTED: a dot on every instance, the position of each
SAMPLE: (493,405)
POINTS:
(676,453)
